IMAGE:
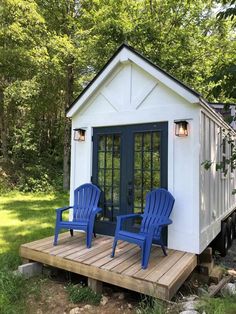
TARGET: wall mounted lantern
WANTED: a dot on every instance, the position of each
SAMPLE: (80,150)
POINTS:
(181,128)
(79,135)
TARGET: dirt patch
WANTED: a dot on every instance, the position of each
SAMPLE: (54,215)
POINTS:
(52,298)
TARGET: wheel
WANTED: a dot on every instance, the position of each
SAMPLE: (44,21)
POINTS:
(234,224)
(223,243)
(229,224)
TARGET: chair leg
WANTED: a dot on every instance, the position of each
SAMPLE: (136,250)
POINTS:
(94,235)
(89,236)
(114,248)
(164,250)
(71,232)
(56,235)
(146,251)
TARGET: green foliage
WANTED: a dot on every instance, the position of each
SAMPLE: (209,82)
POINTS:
(12,289)
(50,50)
(81,293)
(24,218)
(151,306)
(223,305)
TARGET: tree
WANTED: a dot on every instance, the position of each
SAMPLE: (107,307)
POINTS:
(50,50)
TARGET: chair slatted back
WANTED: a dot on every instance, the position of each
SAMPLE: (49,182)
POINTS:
(86,197)
(159,204)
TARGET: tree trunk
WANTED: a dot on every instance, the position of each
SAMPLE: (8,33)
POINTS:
(3,130)
(67,133)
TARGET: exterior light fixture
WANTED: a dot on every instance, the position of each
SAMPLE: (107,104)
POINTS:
(181,128)
(79,135)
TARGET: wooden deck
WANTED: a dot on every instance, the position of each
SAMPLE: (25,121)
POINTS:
(161,279)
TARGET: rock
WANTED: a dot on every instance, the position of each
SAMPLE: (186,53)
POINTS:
(189,312)
(202,292)
(119,295)
(130,306)
(88,307)
(190,305)
(229,289)
(75,310)
(232,272)
(192,297)
(104,300)
(39,311)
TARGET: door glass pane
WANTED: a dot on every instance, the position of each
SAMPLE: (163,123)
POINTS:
(147,156)
(138,142)
(147,141)
(101,160)
(109,157)
(138,160)
(109,175)
(156,179)
(156,161)
(146,166)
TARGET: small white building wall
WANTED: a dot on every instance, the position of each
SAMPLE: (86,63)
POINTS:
(216,198)
(131,96)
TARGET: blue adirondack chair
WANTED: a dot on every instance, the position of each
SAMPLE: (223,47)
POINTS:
(85,208)
(159,204)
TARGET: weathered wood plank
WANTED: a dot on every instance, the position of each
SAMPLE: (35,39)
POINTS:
(175,277)
(98,254)
(75,242)
(84,250)
(136,269)
(164,266)
(161,279)
(127,263)
(123,248)
(119,259)
(46,240)
(93,272)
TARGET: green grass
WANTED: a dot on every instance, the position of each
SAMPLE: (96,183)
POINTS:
(151,305)
(80,293)
(23,218)
(223,305)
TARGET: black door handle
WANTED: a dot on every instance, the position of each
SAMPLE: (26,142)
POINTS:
(130,194)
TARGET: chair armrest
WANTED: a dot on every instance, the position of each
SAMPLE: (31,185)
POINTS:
(121,218)
(165,222)
(96,210)
(59,212)
(62,209)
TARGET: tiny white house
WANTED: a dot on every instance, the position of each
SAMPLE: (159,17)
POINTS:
(141,129)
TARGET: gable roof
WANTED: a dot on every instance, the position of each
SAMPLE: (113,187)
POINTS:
(123,54)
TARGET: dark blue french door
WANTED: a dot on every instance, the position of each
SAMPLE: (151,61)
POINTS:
(128,161)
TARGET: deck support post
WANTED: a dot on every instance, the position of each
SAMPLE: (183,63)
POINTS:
(95,285)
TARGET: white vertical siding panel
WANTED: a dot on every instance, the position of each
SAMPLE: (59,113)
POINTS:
(218,174)
(216,196)
(202,171)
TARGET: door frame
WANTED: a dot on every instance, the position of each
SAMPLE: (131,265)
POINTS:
(127,133)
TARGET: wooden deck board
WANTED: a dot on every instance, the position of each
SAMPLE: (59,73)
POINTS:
(161,279)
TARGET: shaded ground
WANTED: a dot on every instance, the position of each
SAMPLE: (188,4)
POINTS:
(53,299)
(229,261)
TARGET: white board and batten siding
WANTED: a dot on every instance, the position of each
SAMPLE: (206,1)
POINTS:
(132,91)
(216,197)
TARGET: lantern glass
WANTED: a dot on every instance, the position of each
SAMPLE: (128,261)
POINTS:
(181,128)
(79,135)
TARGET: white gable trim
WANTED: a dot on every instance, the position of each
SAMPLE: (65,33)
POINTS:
(124,56)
